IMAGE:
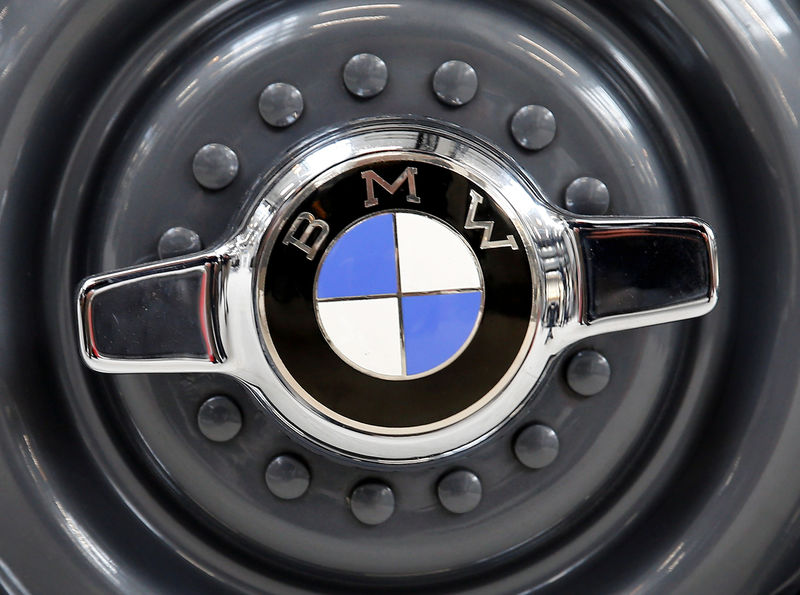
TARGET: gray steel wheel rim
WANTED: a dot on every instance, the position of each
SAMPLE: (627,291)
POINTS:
(733,469)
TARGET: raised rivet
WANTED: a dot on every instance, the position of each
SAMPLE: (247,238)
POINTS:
(588,372)
(219,419)
(533,127)
(215,166)
(460,491)
(372,503)
(455,83)
(280,104)
(177,241)
(587,196)
(536,446)
(365,75)
(287,477)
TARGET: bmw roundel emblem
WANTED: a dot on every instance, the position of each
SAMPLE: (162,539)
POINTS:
(399,294)
(397,297)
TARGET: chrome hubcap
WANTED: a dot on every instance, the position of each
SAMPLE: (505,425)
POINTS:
(550,280)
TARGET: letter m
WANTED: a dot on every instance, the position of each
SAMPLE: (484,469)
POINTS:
(407,176)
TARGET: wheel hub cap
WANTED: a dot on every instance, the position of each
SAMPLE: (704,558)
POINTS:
(397,291)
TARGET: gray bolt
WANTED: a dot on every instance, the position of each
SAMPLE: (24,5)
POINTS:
(455,83)
(215,166)
(177,241)
(372,503)
(533,127)
(460,491)
(587,196)
(588,372)
(280,104)
(219,419)
(365,75)
(536,446)
(287,477)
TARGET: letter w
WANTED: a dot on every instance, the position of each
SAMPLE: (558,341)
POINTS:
(487,226)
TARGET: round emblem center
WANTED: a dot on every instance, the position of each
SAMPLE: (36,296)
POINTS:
(399,295)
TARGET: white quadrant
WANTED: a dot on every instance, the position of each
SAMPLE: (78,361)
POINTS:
(433,257)
(365,333)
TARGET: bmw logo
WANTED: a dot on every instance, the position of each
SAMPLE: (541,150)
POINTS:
(397,296)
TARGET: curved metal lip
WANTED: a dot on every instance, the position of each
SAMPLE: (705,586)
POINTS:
(444,364)
(366,143)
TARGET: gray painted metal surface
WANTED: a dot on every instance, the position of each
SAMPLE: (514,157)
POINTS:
(688,468)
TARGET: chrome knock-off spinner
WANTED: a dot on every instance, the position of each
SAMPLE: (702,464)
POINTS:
(552,278)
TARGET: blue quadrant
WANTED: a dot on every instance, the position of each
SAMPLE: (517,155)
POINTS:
(361,262)
(436,327)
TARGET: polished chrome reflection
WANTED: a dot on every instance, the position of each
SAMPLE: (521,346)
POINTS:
(205,313)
